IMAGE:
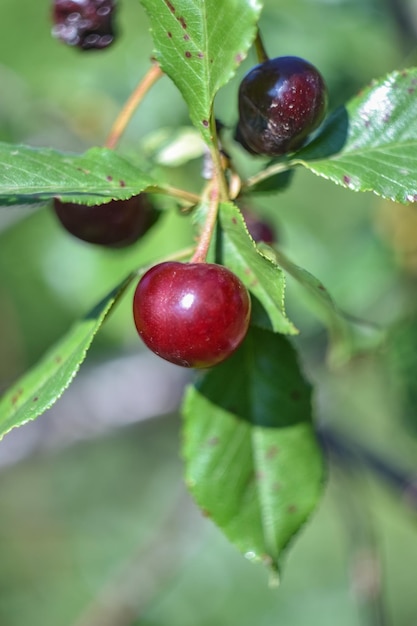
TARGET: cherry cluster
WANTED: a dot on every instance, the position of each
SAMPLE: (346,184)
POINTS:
(195,314)
(86,24)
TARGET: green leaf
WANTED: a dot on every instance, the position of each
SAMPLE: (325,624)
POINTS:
(199,44)
(260,274)
(37,390)
(29,175)
(252,460)
(401,360)
(347,335)
(371,144)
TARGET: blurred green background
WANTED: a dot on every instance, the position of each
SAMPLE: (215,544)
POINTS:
(96,528)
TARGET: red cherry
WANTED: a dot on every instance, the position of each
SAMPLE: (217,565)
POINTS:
(117,224)
(192,314)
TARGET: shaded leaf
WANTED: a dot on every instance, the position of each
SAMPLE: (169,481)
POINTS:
(261,275)
(252,460)
(29,175)
(37,390)
(371,144)
(199,44)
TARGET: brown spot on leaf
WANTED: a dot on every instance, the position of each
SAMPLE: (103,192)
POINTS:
(205,513)
(35,399)
(170,6)
(205,123)
(122,183)
(186,37)
(58,359)
(234,220)
(200,55)
(239,58)
(169,34)
(188,54)
(347,180)
(109,178)
(272,452)
(182,22)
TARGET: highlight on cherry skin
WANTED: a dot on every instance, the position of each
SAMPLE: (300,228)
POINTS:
(86,24)
(281,101)
(191,314)
(116,224)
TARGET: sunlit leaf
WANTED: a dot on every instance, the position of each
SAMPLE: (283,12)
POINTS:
(28,175)
(261,275)
(199,44)
(37,390)
(371,144)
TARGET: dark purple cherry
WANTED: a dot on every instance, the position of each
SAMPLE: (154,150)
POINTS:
(117,224)
(87,24)
(259,228)
(192,314)
(281,101)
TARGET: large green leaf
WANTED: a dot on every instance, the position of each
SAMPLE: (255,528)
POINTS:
(199,44)
(261,275)
(37,390)
(252,460)
(29,175)
(371,144)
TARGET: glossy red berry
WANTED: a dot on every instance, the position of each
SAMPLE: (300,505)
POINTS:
(281,101)
(117,224)
(192,314)
(87,24)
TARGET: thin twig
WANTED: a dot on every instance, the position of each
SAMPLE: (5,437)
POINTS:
(125,115)
(260,48)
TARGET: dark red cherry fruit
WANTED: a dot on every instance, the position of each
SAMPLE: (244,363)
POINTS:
(87,24)
(258,228)
(192,314)
(117,224)
(281,101)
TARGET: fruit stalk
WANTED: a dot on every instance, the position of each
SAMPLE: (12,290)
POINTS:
(125,115)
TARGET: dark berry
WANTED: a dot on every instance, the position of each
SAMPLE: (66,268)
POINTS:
(117,224)
(192,314)
(87,24)
(281,101)
(259,229)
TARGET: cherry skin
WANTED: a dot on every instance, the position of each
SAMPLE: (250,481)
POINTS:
(86,24)
(259,229)
(281,101)
(191,314)
(117,224)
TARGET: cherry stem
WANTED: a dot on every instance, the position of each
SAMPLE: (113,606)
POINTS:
(182,194)
(277,168)
(206,234)
(260,48)
(129,108)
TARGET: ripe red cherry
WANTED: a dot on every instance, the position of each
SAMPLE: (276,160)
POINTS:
(117,224)
(192,314)
(87,24)
(281,101)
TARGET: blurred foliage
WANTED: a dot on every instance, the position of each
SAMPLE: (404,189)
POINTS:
(74,519)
